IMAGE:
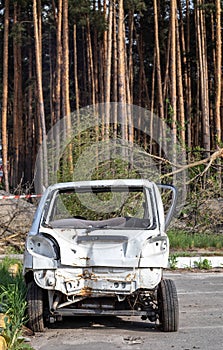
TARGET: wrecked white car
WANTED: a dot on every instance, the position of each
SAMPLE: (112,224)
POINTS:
(99,248)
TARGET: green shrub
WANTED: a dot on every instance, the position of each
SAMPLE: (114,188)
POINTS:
(13,305)
(204,264)
(173,261)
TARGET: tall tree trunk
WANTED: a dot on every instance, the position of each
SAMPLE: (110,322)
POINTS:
(181,115)
(30,130)
(152,104)
(96,63)
(158,66)
(115,69)
(202,51)
(182,59)
(143,88)
(121,55)
(129,86)
(58,62)
(218,83)
(102,62)
(39,21)
(121,70)
(66,88)
(76,85)
(211,88)
(58,72)
(196,129)
(15,159)
(173,77)
(90,63)
(188,79)
(101,72)
(105,41)
(20,107)
(108,71)
(109,55)
(218,72)
(5,96)
(160,107)
(66,61)
(166,77)
(84,69)
(130,58)
(75,70)
(40,95)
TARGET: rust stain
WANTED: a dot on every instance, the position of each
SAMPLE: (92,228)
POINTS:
(94,277)
(85,258)
(130,277)
(87,275)
(86,291)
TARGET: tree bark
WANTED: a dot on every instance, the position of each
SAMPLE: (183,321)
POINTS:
(188,81)
(121,70)
(218,78)
(15,159)
(181,114)
(5,97)
(66,61)
(66,87)
(173,77)
(115,70)
(130,59)
(40,95)
(30,129)
(202,52)
(158,66)
(109,55)
(108,71)
(121,55)
(75,69)
(90,63)
(58,62)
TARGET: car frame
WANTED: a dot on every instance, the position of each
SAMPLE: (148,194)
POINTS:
(75,265)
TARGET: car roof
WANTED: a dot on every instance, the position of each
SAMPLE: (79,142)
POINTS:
(103,183)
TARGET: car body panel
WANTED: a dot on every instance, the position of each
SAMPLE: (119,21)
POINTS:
(81,258)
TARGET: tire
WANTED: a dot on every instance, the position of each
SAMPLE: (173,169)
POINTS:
(35,307)
(168,306)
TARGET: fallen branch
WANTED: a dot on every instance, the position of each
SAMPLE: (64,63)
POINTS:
(217,154)
(179,168)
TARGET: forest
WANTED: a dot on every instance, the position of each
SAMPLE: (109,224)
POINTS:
(58,57)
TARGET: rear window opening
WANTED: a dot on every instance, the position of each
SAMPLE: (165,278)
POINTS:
(102,207)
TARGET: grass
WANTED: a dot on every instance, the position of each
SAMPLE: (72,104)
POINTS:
(13,305)
(173,261)
(182,240)
(204,264)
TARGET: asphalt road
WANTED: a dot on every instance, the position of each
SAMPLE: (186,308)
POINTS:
(201,323)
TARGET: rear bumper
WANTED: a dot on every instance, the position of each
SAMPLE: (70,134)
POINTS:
(98,281)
